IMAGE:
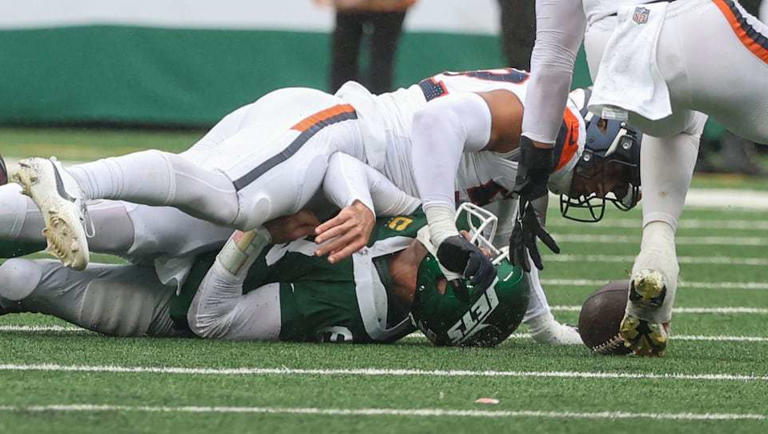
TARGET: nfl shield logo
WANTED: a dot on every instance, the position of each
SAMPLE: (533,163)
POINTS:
(641,15)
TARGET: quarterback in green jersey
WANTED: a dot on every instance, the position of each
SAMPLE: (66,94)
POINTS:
(254,290)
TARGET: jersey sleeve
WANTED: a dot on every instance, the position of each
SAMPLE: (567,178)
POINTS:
(442,130)
(560,28)
(348,179)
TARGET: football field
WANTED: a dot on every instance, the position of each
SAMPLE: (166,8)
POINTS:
(55,377)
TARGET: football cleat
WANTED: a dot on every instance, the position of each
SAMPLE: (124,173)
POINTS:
(645,337)
(61,202)
(546,330)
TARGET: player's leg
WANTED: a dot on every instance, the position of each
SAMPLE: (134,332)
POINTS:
(542,325)
(21,225)
(115,300)
(666,170)
(220,310)
(730,85)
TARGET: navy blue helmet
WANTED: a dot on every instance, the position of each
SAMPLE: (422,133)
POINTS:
(608,170)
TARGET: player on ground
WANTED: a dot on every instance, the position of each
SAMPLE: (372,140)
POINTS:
(481,106)
(648,64)
(284,292)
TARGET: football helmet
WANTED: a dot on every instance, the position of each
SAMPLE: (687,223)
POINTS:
(608,170)
(446,307)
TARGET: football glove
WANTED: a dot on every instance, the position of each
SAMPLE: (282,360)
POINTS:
(457,254)
(522,241)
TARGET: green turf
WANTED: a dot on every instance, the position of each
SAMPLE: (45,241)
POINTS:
(156,390)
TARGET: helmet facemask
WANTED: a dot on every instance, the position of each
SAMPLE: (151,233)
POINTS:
(607,171)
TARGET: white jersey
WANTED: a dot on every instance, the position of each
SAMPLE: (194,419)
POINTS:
(595,10)
(483,176)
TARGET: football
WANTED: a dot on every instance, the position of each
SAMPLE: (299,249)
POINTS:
(600,317)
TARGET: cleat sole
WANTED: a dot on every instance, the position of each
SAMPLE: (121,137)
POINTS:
(63,231)
(647,287)
(643,337)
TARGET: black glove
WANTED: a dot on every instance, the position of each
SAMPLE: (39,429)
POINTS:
(460,256)
(533,170)
(522,241)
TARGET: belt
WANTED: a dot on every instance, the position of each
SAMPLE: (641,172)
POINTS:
(647,3)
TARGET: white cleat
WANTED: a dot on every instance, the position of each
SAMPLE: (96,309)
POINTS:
(546,330)
(61,202)
(642,334)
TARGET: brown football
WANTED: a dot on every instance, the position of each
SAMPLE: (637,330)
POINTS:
(601,317)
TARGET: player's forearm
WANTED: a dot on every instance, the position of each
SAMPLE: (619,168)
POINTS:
(559,32)
(442,131)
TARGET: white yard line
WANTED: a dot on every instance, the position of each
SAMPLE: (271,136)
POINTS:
(696,310)
(694,260)
(43,328)
(683,284)
(630,223)
(374,372)
(421,412)
(695,338)
(416,335)
(681,241)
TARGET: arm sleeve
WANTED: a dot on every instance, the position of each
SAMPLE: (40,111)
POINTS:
(560,28)
(348,179)
(221,310)
(444,129)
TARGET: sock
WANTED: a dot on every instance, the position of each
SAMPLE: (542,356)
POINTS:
(160,179)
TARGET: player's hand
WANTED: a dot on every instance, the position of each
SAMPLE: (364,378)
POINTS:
(346,233)
(457,254)
(534,168)
(522,241)
(292,227)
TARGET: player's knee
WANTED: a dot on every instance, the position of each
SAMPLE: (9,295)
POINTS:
(18,278)
(205,325)
(120,308)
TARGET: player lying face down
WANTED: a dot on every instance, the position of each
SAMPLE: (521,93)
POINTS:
(256,292)
(282,292)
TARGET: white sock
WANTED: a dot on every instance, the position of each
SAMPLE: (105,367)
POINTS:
(657,252)
(160,179)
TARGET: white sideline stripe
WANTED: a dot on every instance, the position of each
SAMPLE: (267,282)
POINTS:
(682,284)
(374,372)
(626,223)
(691,241)
(421,412)
(701,310)
(706,260)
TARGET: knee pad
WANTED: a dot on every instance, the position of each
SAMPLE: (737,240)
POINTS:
(253,212)
(18,278)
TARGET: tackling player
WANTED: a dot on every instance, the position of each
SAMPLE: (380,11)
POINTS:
(651,63)
(283,292)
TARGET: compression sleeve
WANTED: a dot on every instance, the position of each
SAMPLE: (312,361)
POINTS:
(444,129)
(348,179)
(560,28)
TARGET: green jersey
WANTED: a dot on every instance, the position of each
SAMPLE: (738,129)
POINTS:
(350,301)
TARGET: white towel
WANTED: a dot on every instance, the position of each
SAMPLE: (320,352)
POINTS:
(629,79)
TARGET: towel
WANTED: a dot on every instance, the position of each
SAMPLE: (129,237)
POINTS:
(629,79)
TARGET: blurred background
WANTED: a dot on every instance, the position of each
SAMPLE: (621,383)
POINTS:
(88,78)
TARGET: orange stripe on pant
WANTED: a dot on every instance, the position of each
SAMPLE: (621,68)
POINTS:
(731,16)
(571,141)
(322,115)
